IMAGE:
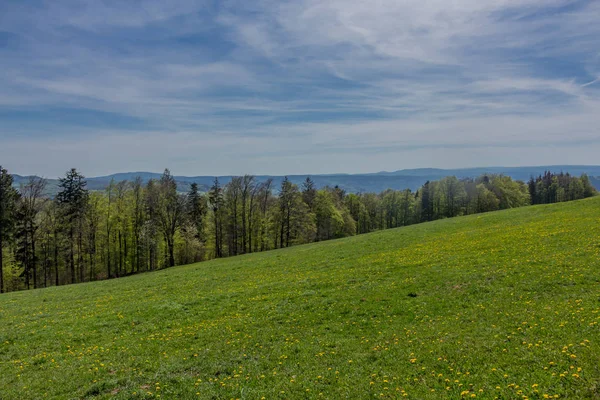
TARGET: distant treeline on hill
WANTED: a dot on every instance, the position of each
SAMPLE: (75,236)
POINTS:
(132,226)
(376,182)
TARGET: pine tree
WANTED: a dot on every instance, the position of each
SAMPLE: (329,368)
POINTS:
(215,197)
(72,197)
(309,192)
(588,189)
(8,199)
(531,186)
(426,202)
(196,211)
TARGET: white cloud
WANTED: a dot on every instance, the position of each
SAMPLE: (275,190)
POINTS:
(367,84)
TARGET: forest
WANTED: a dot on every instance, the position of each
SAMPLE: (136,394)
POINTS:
(82,235)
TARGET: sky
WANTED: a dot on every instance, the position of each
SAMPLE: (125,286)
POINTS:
(297,87)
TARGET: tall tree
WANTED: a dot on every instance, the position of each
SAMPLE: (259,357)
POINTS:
(8,199)
(254,192)
(309,193)
(247,188)
(72,197)
(22,241)
(286,193)
(108,226)
(265,195)
(426,202)
(52,225)
(30,205)
(329,220)
(453,194)
(294,216)
(137,219)
(121,226)
(232,194)
(531,186)
(196,211)
(93,215)
(171,207)
(215,197)
(151,227)
(588,189)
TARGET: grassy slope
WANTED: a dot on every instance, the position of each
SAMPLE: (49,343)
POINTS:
(507,306)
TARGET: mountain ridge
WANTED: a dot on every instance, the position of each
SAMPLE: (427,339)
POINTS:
(365,182)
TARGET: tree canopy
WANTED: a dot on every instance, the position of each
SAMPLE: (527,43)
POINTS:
(134,226)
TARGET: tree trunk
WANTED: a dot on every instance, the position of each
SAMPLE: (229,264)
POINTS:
(71,255)
(117,270)
(108,240)
(137,252)
(92,262)
(80,255)
(287,234)
(120,255)
(125,253)
(250,224)
(217,244)
(33,261)
(244,237)
(282,230)
(27,262)
(1,264)
(263,230)
(235,232)
(56,257)
(93,256)
(46,258)
(171,253)
(108,256)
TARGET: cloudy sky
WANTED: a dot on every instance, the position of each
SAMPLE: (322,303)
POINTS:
(301,86)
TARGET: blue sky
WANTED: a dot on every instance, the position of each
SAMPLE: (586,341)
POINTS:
(294,87)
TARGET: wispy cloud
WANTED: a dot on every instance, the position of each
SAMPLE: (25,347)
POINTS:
(297,87)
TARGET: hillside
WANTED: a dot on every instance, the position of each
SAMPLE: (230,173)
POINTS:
(497,305)
(353,183)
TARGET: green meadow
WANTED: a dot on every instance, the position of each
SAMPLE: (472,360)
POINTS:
(503,305)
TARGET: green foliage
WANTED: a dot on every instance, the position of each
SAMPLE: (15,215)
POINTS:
(510,194)
(72,195)
(72,200)
(554,188)
(497,305)
(131,227)
(328,218)
(486,199)
(8,201)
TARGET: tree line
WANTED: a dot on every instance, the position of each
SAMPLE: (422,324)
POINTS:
(132,226)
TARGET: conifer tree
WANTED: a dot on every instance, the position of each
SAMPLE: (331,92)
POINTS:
(8,200)
(215,197)
(309,192)
(72,197)
(196,211)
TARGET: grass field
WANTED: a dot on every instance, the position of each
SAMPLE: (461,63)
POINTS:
(501,305)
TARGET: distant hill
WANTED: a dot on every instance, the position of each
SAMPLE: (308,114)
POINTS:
(353,183)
